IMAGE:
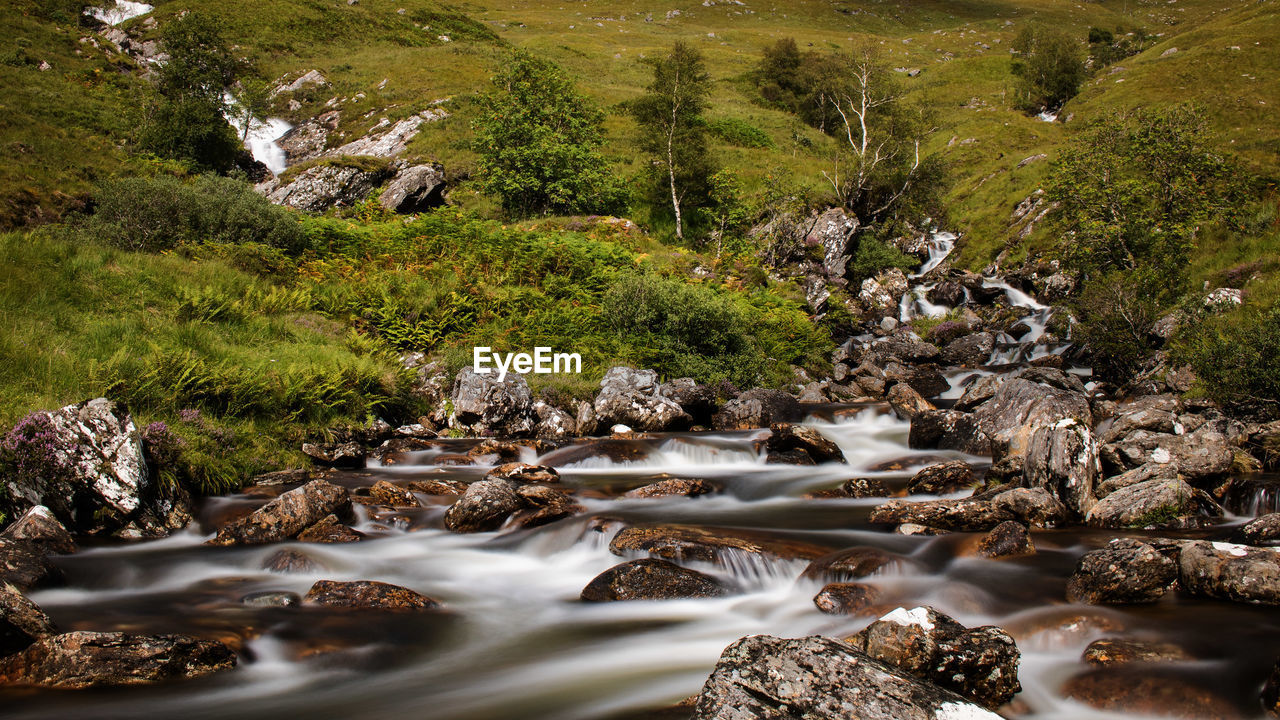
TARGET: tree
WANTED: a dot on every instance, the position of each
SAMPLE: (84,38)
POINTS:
(538,140)
(673,131)
(184,118)
(250,102)
(726,214)
(1049,66)
(878,135)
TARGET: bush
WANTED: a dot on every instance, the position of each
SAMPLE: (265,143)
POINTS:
(740,133)
(30,450)
(874,256)
(163,213)
(1234,357)
(1049,67)
(1116,315)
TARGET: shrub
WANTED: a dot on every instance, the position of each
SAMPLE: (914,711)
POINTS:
(1049,67)
(874,256)
(1116,315)
(163,213)
(30,450)
(740,133)
(1234,357)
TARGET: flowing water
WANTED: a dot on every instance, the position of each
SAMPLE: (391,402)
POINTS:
(262,139)
(120,11)
(513,640)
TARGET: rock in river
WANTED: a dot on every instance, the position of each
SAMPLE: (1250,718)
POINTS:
(786,437)
(652,579)
(288,515)
(756,409)
(368,595)
(688,542)
(816,678)
(22,622)
(1227,571)
(98,659)
(485,506)
(1124,572)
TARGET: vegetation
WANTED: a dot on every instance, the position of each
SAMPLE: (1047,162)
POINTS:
(1234,359)
(1049,66)
(538,139)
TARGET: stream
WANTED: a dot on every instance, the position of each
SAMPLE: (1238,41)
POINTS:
(513,641)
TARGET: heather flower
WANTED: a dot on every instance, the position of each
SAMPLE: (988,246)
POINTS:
(947,331)
(189,415)
(31,448)
(162,445)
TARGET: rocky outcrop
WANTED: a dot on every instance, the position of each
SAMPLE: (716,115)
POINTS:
(95,659)
(93,477)
(941,479)
(630,397)
(1021,406)
(767,677)
(948,430)
(367,595)
(485,506)
(288,515)
(1206,454)
(757,408)
(483,405)
(1063,459)
(327,184)
(394,140)
(39,527)
(1125,572)
(980,664)
(972,350)
(652,579)
(22,622)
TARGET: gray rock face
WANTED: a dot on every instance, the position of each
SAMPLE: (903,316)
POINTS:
(393,141)
(288,515)
(832,231)
(1150,471)
(415,189)
(22,622)
(107,489)
(1156,413)
(321,187)
(1125,572)
(1063,458)
(631,397)
(756,409)
(483,405)
(652,579)
(979,664)
(1226,571)
(1020,407)
(92,659)
(1163,503)
(312,78)
(907,402)
(485,506)
(698,400)
(762,677)
(552,422)
(26,564)
(1202,455)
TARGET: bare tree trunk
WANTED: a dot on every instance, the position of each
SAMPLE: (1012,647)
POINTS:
(671,174)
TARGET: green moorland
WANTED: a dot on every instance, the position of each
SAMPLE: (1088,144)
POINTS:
(274,345)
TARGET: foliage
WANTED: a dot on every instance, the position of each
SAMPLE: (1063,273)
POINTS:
(1234,357)
(183,120)
(873,256)
(673,131)
(1134,189)
(1116,314)
(250,103)
(727,215)
(1049,66)
(740,133)
(1107,47)
(538,140)
(29,451)
(164,212)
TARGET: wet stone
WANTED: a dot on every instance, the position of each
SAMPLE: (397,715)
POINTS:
(1108,652)
(1126,571)
(652,579)
(1148,692)
(271,599)
(39,526)
(329,530)
(438,487)
(386,493)
(688,487)
(288,560)
(689,542)
(367,595)
(942,479)
(1008,539)
(855,563)
(524,473)
(26,565)
(786,437)
(22,622)
(99,659)
(847,598)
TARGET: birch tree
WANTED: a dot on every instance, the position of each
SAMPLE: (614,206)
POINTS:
(673,131)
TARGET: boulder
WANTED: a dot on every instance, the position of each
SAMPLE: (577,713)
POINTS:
(688,487)
(786,437)
(287,515)
(948,430)
(367,595)
(822,679)
(1156,413)
(904,348)
(854,563)
(101,659)
(394,140)
(630,397)
(1035,507)
(552,422)
(907,402)
(330,530)
(1110,652)
(942,479)
(271,599)
(347,455)
(831,230)
(982,512)
(1262,530)
(1200,456)
(925,379)
(982,389)
(485,506)
(696,400)
(689,542)
(973,350)
(311,78)
(1141,474)
(757,408)
(544,505)
(415,189)
(1168,503)
(979,664)
(518,472)
(1063,459)
(91,474)
(1126,571)
(947,292)
(652,579)
(26,565)
(846,598)
(1226,571)
(325,185)
(1020,406)
(289,560)
(1008,539)
(39,527)
(483,405)
(392,495)
(438,487)
(1148,692)
(22,622)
